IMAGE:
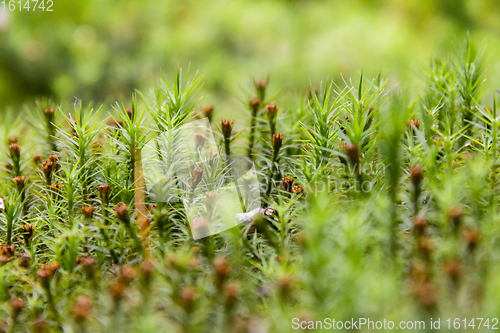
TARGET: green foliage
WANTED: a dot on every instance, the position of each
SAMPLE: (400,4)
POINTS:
(376,203)
(96,51)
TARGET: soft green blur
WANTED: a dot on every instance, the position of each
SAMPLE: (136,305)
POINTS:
(104,49)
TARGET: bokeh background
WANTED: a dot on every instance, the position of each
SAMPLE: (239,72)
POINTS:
(102,50)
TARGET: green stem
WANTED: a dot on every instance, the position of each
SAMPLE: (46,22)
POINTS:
(108,244)
(9,232)
(272,172)
(416,195)
(50,301)
(132,233)
(51,132)
(16,166)
(252,136)
(272,126)
(227,148)
(393,222)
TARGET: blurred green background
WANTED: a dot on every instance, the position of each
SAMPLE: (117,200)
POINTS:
(104,49)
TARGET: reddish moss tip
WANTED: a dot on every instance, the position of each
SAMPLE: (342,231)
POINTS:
(416,174)
(277,141)
(222,268)
(254,104)
(121,211)
(15,150)
(88,212)
(272,111)
(287,183)
(82,308)
(226,128)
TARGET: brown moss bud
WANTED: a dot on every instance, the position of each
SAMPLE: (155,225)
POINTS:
(86,261)
(82,309)
(472,237)
(222,269)
(8,167)
(414,123)
(200,139)
(48,168)
(37,159)
(272,111)
(147,271)
(24,260)
(200,227)
(260,87)
(3,260)
(12,139)
(425,246)
(196,177)
(96,145)
(210,199)
(194,263)
(88,266)
(419,272)
(208,111)
(15,151)
(287,183)
(254,104)
(55,161)
(426,294)
(188,297)
(352,152)
(117,290)
(416,175)
(55,189)
(455,216)
(49,114)
(88,212)
(226,128)
(104,191)
(17,305)
(285,285)
(419,225)
(127,274)
(20,182)
(231,291)
(453,269)
(121,211)
(40,325)
(53,267)
(28,231)
(277,141)
(298,189)
(212,157)
(44,275)
(8,250)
